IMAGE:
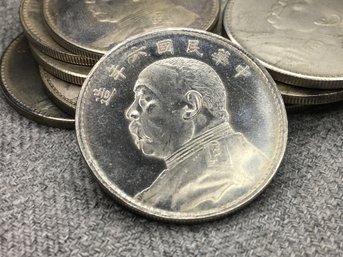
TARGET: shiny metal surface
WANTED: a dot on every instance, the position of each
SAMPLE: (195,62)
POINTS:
(181,125)
(92,27)
(72,73)
(24,88)
(300,42)
(219,26)
(62,93)
(31,17)
(306,96)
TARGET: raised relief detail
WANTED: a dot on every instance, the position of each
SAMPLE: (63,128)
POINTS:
(136,54)
(302,15)
(132,17)
(193,47)
(242,71)
(221,57)
(180,115)
(116,72)
(103,95)
(165,46)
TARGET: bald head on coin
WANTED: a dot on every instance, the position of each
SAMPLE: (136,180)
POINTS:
(180,115)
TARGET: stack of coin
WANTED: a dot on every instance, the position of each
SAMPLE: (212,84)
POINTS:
(300,43)
(67,38)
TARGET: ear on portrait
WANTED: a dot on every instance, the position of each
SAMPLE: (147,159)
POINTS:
(329,20)
(194,105)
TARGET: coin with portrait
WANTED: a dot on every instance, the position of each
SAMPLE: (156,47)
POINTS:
(299,41)
(173,126)
(93,27)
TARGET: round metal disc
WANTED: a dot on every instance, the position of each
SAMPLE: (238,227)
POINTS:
(72,73)
(92,27)
(307,96)
(23,87)
(300,42)
(62,93)
(189,128)
(31,16)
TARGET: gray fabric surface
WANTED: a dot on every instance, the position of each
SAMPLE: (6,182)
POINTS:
(51,206)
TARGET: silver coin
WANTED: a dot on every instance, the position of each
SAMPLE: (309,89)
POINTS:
(306,96)
(219,26)
(31,17)
(181,125)
(23,87)
(300,42)
(92,27)
(62,93)
(72,73)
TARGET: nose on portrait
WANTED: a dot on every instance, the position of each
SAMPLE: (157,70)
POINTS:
(132,113)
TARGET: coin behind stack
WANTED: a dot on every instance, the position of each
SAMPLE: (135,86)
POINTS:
(306,96)
(23,87)
(31,17)
(62,93)
(93,27)
(71,73)
(189,128)
(300,42)
(219,26)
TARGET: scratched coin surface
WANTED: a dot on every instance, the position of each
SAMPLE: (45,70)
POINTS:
(31,17)
(181,125)
(62,93)
(93,27)
(300,42)
(306,96)
(72,73)
(23,87)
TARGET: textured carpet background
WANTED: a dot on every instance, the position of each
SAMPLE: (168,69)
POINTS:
(51,206)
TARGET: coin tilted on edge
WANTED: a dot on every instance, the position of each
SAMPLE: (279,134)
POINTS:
(92,27)
(62,93)
(31,17)
(300,42)
(306,96)
(72,73)
(23,87)
(181,125)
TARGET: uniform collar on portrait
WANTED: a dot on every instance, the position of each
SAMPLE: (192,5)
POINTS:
(198,143)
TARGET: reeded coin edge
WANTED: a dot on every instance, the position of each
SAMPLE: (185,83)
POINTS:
(162,215)
(280,74)
(55,95)
(30,113)
(300,109)
(38,41)
(313,100)
(320,97)
(58,71)
(67,42)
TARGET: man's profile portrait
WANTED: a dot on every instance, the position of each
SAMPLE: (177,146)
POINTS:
(179,115)
(132,17)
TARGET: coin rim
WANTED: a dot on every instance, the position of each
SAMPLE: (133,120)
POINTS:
(170,216)
(324,97)
(91,52)
(18,105)
(60,71)
(281,74)
(55,95)
(36,38)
